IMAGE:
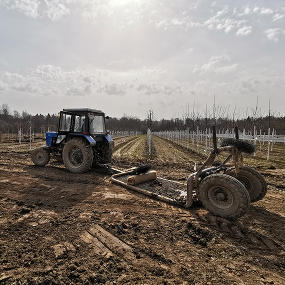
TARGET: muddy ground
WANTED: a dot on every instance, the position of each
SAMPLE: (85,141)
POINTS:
(61,228)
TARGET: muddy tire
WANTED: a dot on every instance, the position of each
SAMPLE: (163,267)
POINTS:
(40,156)
(77,156)
(224,196)
(252,180)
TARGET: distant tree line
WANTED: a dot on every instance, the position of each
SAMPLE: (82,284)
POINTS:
(262,123)
(11,122)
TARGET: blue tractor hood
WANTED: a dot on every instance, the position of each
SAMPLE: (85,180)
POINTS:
(49,137)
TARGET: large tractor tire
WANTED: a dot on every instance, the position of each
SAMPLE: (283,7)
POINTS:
(252,180)
(77,156)
(224,196)
(40,156)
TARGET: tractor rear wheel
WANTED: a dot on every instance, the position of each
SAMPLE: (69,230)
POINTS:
(224,196)
(252,180)
(40,156)
(77,156)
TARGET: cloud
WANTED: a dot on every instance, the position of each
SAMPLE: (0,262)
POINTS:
(51,9)
(248,86)
(228,68)
(180,21)
(229,20)
(216,64)
(274,34)
(114,89)
(28,7)
(46,80)
(55,10)
(159,89)
(244,31)
(256,10)
(48,72)
(262,11)
(49,80)
(75,91)
(223,21)
(17,82)
(276,17)
(242,20)
(239,19)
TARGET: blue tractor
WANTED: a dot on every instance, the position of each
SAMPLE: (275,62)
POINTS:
(80,142)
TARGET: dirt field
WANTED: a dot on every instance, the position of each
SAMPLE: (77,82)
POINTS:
(61,228)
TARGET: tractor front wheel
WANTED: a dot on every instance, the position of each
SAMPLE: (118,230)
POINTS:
(40,156)
(77,156)
(224,196)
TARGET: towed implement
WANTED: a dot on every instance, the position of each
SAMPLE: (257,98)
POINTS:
(224,190)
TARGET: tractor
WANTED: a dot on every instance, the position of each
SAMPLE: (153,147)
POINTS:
(81,141)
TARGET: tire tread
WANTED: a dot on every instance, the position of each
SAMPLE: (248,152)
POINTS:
(87,153)
(260,190)
(242,196)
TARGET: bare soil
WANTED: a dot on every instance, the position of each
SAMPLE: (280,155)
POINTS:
(61,228)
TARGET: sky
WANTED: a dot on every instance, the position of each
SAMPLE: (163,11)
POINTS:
(126,57)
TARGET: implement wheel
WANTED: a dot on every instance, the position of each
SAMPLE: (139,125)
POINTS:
(224,196)
(40,156)
(77,156)
(252,180)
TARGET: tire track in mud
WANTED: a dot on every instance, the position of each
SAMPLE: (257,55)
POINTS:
(19,148)
(132,150)
(238,231)
(203,226)
(121,142)
(170,153)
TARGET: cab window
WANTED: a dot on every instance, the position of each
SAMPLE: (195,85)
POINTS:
(96,124)
(65,123)
(79,123)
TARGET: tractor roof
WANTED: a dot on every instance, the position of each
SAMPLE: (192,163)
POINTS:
(82,110)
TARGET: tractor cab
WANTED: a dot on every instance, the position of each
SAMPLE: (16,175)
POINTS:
(86,121)
(81,140)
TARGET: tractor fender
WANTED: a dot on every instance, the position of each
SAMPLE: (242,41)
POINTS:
(88,138)
(109,140)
